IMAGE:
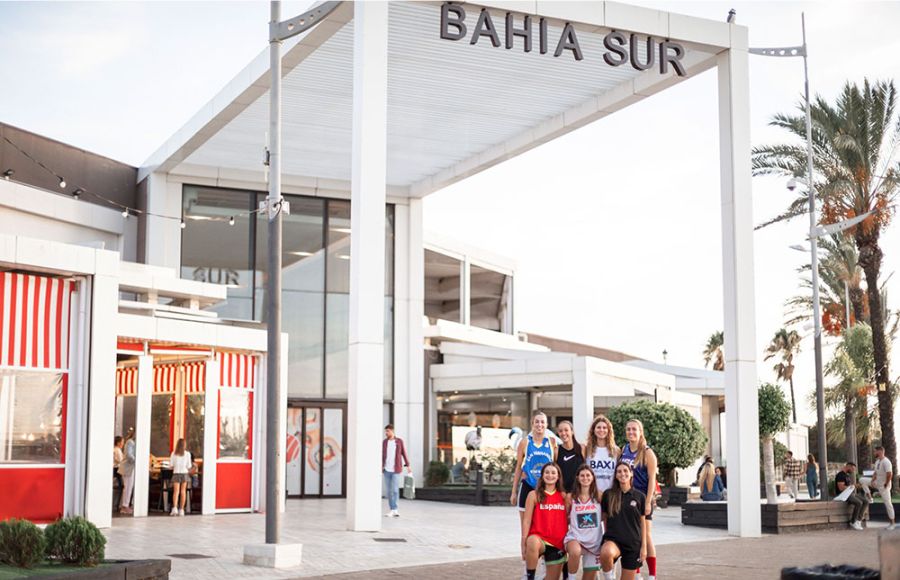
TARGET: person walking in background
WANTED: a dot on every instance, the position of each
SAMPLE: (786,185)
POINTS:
(792,470)
(118,458)
(622,507)
(182,464)
(545,524)
(126,468)
(569,455)
(642,460)
(711,486)
(846,479)
(882,481)
(601,451)
(393,459)
(812,476)
(585,528)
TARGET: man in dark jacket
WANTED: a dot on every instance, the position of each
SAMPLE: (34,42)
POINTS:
(393,459)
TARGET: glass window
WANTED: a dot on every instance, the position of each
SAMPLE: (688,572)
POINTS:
(212,251)
(303,281)
(31,407)
(161,408)
(337,304)
(234,423)
(489,302)
(193,424)
(443,276)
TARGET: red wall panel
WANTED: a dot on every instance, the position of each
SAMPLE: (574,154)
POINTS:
(36,493)
(233,482)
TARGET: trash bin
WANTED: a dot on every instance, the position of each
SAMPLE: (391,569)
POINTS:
(828,572)
(409,487)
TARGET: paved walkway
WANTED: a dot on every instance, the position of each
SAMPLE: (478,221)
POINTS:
(428,532)
(737,559)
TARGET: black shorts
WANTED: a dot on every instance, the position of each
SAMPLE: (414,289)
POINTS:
(631,559)
(553,555)
(524,490)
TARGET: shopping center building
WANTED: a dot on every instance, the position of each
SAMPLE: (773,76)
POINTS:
(148,283)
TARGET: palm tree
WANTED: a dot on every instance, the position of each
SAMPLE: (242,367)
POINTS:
(785,344)
(855,158)
(713,351)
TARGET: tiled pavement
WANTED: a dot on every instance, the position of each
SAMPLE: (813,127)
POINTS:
(434,533)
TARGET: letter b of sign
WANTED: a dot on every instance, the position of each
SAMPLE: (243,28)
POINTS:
(453,16)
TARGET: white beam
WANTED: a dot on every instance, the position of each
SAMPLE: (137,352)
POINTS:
(142,429)
(744,518)
(367,219)
(210,432)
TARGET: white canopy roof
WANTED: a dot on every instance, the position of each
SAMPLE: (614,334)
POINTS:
(454,108)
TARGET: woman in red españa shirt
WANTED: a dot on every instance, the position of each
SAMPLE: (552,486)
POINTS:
(545,524)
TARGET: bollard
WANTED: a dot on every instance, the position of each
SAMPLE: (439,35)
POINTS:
(479,487)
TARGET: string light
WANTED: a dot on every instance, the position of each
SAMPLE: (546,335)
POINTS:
(126,211)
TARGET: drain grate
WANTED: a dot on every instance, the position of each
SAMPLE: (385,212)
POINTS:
(389,539)
(190,556)
(458,546)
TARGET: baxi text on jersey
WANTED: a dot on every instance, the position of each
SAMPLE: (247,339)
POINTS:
(519,30)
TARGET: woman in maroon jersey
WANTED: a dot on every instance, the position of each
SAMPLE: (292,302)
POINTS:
(545,524)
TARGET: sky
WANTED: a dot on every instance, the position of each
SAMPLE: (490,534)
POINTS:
(615,228)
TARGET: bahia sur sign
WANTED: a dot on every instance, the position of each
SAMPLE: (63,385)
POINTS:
(620,49)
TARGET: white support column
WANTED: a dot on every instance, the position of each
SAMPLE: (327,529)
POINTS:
(162,236)
(142,428)
(210,432)
(366,354)
(102,391)
(744,517)
(465,292)
(582,397)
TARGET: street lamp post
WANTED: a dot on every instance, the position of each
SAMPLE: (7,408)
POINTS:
(814,257)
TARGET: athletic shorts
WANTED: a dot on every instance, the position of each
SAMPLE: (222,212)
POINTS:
(553,555)
(589,562)
(631,559)
(524,490)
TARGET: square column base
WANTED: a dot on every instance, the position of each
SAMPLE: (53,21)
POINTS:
(273,555)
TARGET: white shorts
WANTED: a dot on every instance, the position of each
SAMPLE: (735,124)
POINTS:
(589,562)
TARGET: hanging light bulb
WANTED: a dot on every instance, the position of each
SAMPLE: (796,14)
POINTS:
(125,213)
(183,225)
(231,221)
(62,183)
(77,193)
(7,174)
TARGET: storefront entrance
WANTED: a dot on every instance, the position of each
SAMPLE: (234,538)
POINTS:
(315,450)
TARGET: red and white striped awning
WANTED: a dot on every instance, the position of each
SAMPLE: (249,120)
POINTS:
(165,379)
(34,321)
(237,370)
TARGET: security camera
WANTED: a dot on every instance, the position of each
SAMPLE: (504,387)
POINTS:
(792,184)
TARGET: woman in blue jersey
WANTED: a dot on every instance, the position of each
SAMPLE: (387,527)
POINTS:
(534,450)
(642,460)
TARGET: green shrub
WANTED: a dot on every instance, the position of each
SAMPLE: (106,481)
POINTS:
(677,438)
(75,540)
(21,543)
(437,475)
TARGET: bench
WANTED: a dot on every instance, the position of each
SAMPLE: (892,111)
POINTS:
(780,518)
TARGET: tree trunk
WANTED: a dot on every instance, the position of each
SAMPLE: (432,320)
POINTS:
(793,400)
(769,469)
(856,304)
(850,431)
(870,256)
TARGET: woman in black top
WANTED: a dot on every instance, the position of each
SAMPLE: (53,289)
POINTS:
(569,455)
(622,509)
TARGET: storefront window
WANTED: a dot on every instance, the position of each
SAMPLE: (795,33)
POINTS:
(491,417)
(193,424)
(443,278)
(234,423)
(490,304)
(31,417)
(216,252)
(161,407)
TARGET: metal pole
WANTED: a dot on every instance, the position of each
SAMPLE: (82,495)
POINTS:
(813,242)
(847,301)
(273,291)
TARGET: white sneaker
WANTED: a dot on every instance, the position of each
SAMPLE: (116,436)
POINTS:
(181,512)
(174,512)
(395,514)
(856,526)
(892,526)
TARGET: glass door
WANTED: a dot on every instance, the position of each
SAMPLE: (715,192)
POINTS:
(315,450)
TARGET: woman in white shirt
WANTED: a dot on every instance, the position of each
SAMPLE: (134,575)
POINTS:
(181,474)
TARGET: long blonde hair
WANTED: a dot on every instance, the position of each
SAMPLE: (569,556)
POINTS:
(707,477)
(593,442)
(642,443)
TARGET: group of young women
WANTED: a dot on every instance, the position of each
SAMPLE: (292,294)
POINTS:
(585,506)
